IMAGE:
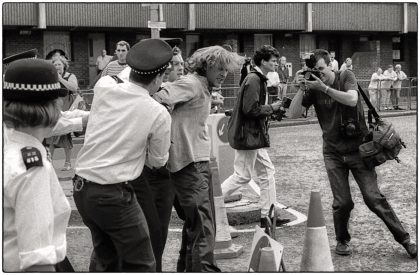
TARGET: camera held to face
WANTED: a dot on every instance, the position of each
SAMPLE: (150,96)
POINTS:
(310,64)
(278,115)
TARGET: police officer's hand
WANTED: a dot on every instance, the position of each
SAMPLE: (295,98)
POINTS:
(317,84)
(276,105)
(85,120)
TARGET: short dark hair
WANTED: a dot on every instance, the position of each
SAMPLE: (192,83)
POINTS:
(29,114)
(320,53)
(265,53)
(145,79)
(123,43)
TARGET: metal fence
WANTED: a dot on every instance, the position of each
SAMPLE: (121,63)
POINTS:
(408,95)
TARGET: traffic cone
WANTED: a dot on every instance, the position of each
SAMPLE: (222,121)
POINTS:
(316,249)
(224,248)
(267,261)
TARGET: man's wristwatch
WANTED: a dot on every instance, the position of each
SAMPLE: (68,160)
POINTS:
(326,90)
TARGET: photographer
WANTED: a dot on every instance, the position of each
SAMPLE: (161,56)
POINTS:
(341,117)
(248,132)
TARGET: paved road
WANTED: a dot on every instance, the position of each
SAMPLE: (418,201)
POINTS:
(296,154)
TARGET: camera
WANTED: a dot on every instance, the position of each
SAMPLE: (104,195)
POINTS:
(307,74)
(350,128)
(310,63)
(278,115)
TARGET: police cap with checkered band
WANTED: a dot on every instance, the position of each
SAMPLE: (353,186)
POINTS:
(149,56)
(31,80)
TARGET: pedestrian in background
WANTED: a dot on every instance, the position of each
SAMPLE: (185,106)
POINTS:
(283,72)
(334,62)
(116,66)
(396,91)
(374,86)
(389,76)
(67,81)
(102,60)
(35,209)
(127,130)
(189,156)
(347,65)
(273,82)
(248,133)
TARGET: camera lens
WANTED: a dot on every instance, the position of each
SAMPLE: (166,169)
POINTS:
(307,75)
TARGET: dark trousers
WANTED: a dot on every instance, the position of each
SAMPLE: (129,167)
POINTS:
(194,192)
(155,195)
(338,167)
(119,230)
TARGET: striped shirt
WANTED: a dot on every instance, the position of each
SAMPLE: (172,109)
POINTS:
(113,68)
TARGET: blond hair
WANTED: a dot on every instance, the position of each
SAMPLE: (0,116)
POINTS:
(213,56)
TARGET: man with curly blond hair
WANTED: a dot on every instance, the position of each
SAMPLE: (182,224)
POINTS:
(190,97)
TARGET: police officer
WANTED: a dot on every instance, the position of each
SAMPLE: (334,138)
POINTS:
(36,211)
(127,129)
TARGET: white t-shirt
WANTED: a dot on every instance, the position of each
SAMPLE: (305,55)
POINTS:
(273,79)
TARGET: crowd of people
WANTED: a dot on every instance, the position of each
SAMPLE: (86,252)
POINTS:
(147,149)
(386,86)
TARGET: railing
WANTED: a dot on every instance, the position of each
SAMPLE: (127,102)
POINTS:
(408,96)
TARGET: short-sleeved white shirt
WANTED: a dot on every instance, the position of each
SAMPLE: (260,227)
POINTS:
(36,211)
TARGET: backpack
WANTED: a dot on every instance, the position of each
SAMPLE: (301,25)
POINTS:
(382,143)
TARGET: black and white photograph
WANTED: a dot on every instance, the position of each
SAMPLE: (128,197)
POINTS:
(195,137)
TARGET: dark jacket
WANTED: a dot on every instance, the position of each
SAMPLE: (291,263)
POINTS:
(248,125)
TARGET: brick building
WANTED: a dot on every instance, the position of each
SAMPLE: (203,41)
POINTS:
(372,34)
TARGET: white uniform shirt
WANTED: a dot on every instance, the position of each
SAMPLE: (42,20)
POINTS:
(126,126)
(70,121)
(273,79)
(36,211)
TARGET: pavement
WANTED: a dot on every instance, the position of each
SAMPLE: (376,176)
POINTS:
(246,210)
(376,254)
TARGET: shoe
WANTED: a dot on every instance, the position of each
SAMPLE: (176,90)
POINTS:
(398,108)
(411,248)
(343,249)
(279,222)
(67,166)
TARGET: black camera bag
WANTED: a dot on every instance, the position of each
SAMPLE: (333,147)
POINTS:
(383,142)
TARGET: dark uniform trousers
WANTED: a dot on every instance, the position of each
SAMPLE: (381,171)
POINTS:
(338,167)
(119,230)
(155,194)
(194,192)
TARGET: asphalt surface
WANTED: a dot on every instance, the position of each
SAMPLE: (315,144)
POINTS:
(296,154)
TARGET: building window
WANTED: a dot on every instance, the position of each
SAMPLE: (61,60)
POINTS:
(307,44)
(57,40)
(262,39)
(397,48)
(192,43)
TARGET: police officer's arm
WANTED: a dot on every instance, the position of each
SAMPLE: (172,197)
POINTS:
(159,141)
(182,90)
(251,106)
(30,196)
(348,97)
(70,121)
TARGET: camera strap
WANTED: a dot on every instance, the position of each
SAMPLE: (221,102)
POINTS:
(372,110)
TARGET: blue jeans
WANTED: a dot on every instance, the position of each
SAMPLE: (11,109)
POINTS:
(338,167)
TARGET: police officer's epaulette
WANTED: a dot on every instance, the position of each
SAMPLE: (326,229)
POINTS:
(31,157)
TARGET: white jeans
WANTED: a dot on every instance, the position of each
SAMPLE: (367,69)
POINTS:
(248,163)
